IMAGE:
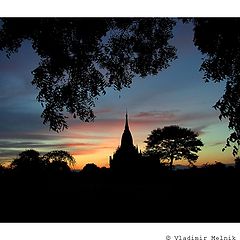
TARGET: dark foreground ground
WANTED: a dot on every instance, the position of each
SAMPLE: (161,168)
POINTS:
(195,195)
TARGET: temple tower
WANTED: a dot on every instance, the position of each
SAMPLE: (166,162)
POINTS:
(126,155)
(126,140)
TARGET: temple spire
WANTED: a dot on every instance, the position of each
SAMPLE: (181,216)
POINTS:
(126,140)
(126,122)
(126,158)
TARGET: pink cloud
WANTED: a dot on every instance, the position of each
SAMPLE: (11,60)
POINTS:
(171,116)
(79,144)
(102,111)
(84,152)
(166,116)
(111,129)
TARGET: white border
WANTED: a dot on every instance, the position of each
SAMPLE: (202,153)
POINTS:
(119,231)
(123,8)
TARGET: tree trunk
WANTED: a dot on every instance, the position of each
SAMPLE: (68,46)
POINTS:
(171,163)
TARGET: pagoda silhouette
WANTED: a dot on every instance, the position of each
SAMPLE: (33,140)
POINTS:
(126,158)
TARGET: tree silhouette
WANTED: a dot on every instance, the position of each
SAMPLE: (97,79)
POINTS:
(173,143)
(219,40)
(81,57)
(28,161)
(58,156)
(90,167)
(237,162)
(3,169)
(58,167)
(31,162)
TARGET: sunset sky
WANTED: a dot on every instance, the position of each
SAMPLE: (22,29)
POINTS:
(177,95)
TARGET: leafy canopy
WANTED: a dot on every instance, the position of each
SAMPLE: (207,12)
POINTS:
(81,57)
(219,40)
(59,156)
(173,143)
(30,160)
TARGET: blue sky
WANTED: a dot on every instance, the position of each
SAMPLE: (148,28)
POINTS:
(177,95)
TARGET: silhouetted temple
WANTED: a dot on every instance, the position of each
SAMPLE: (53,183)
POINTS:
(127,156)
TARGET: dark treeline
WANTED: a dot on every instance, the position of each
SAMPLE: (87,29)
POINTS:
(59,194)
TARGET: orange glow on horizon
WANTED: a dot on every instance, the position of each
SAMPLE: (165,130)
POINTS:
(97,150)
(94,142)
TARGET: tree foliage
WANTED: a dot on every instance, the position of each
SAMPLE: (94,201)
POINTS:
(173,143)
(81,57)
(30,161)
(219,40)
(237,162)
(59,156)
